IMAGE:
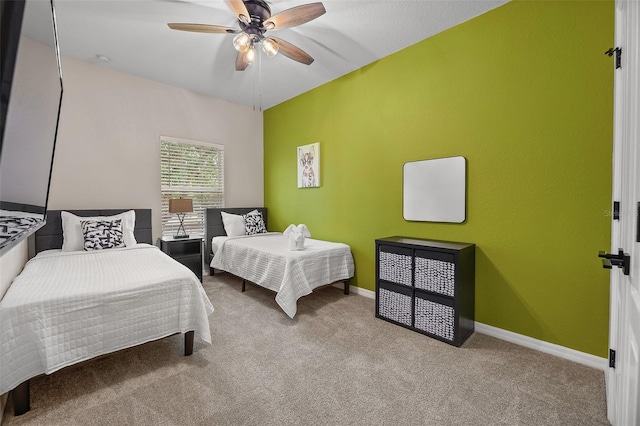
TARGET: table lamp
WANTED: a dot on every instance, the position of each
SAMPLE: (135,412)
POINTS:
(180,206)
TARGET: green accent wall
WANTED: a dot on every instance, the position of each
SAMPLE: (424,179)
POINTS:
(525,93)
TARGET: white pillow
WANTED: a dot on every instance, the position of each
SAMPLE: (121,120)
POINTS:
(73,237)
(233,224)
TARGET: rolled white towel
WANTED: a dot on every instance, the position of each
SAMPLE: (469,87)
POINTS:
(300,241)
(290,229)
(302,228)
(296,241)
(297,235)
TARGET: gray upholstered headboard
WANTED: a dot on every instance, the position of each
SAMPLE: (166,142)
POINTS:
(50,235)
(215,227)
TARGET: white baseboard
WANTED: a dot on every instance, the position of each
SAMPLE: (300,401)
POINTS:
(362,292)
(518,339)
(357,290)
(542,346)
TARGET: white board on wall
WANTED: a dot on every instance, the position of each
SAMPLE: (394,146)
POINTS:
(435,190)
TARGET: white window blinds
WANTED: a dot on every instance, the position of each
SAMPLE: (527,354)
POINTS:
(194,170)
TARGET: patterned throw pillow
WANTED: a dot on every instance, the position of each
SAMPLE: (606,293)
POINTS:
(102,234)
(13,226)
(253,223)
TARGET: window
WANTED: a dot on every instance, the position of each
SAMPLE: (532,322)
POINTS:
(194,170)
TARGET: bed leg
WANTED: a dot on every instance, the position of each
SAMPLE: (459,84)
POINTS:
(211,271)
(243,285)
(188,343)
(20,398)
(346,286)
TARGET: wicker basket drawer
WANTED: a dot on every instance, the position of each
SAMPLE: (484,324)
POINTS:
(394,265)
(435,272)
(394,303)
(435,316)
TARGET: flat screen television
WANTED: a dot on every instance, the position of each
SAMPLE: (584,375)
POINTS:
(31,97)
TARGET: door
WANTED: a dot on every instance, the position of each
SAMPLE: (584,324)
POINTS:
(623,381)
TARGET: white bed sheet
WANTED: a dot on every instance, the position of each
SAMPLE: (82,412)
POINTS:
(67,307)
(216,241)
(265,259)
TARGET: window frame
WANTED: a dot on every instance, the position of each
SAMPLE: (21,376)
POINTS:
(203,196)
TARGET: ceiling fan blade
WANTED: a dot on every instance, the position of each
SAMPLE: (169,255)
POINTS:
(295,16)
(241,64)
(293,52)
(204,28)
(238,8)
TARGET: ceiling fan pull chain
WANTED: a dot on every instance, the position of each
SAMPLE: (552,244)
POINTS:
(260,80)
(257,82)
(254,85)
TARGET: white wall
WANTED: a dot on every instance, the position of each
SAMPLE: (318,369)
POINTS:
(108,149)
(11,263)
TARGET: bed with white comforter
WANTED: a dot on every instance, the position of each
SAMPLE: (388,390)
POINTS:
(266,260)
(67,307)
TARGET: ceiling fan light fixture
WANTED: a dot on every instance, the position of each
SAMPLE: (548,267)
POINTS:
(254,18)
(242,42)
(270,47)
(250,56)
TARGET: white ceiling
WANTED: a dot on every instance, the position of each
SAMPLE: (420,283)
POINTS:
(352,34)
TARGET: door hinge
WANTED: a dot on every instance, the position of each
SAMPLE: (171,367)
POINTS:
(612,358)
(638,223)
(618,52)
(616,210)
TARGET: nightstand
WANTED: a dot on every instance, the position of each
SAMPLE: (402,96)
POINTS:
(187,251)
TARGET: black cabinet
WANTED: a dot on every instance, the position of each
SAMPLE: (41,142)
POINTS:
(427,286)
(187,251)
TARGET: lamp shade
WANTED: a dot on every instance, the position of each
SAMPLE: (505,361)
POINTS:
(180,205)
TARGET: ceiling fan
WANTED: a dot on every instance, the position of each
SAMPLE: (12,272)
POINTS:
(254,19)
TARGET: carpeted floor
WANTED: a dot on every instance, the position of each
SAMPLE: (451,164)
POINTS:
(334,364)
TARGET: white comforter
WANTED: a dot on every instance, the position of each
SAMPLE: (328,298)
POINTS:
(265,259)
(67,307)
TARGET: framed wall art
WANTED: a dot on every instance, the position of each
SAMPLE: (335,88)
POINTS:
(309,166)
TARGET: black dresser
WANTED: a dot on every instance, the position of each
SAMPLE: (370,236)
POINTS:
(427,286)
